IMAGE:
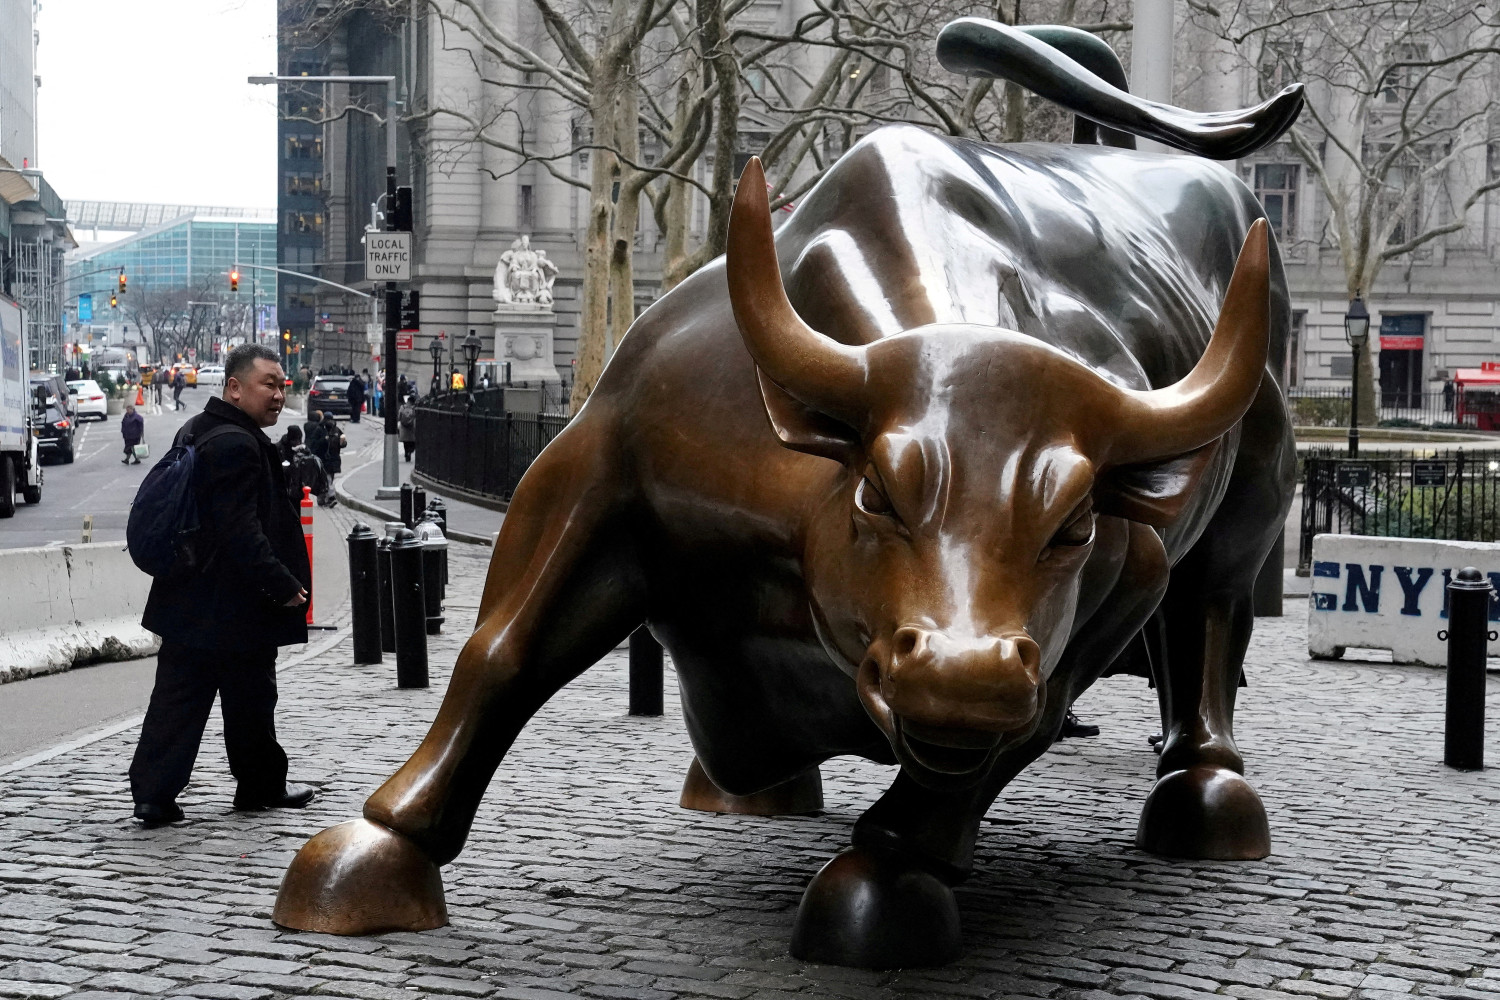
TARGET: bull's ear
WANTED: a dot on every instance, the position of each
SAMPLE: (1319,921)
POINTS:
(802,428)
(1153,493)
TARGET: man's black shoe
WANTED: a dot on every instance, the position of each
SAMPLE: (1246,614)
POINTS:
(1073,728)
(153,815)
(291,797)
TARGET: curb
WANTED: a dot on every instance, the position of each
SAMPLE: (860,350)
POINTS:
(375,510)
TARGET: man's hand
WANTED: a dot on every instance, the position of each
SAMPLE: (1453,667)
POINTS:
(301,598)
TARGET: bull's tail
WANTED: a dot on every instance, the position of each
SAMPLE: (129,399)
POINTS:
(1080,72)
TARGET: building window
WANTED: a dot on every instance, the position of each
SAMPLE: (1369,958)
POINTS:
(301,223)
(1400,83)
(304,184)
(1292,364)
(1275,185)
(303,147)
(527,212)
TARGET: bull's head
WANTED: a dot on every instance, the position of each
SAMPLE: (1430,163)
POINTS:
(944,567)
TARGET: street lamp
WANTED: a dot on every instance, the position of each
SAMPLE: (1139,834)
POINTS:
(471,355)
(1356,335)
(435,348)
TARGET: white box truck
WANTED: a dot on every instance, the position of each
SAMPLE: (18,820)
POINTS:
(20,466)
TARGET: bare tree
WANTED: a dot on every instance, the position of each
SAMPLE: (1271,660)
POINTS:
(1397,123)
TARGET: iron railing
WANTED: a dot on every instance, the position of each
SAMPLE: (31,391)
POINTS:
(1329,407)
(479,452)
(1451,495)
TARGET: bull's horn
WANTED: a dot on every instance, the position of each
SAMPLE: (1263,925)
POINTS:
(822,373)
(1161,423)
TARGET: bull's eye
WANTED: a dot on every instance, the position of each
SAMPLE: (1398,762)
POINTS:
(1079,529)
(870,500)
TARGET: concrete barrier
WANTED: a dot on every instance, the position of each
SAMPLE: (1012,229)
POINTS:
(70,605)
(1389,593)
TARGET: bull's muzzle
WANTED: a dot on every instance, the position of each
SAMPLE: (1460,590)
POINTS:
(947,702)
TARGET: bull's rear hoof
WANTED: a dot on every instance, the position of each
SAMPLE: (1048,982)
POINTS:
(1208,813)
(360,878)
(798,795)
(874,909)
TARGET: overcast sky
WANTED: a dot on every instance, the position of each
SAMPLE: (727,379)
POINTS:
(146,100)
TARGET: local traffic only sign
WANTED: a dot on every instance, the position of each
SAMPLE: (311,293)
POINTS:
(387,256)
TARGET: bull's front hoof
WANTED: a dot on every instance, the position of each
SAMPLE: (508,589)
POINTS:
(361,878)
(799,795)
(873,909)
(1207,813)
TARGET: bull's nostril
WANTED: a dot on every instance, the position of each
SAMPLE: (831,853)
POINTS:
(905,641)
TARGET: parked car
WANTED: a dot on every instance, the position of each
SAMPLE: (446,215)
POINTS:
(211,375)
(329,393)
(88,399)
(55,435)
(57,391)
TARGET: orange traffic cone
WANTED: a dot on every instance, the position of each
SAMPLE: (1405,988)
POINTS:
(140,396)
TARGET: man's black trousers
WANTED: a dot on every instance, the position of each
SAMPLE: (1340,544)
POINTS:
(187,679)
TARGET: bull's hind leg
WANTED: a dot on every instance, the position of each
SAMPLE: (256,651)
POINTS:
(564,587)
(1201,805)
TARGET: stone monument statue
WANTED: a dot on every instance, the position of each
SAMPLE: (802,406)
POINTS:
(524,276)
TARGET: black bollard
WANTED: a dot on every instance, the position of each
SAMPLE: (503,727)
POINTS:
(1468,642)
(407,516)
(383,579)
(645,673)
(418,505)
(411,610)
(439,510)
(434,562)
(364,594)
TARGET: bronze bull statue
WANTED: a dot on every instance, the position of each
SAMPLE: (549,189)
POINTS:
(902,481)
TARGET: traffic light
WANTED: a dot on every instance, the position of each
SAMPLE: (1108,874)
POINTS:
(122,281)
(411,311)
(114,302)
(286,335)
(234,280)
(401,220)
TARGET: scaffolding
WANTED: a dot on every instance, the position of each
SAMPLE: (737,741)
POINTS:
(37,286)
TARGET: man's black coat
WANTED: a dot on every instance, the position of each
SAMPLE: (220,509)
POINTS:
(252,536)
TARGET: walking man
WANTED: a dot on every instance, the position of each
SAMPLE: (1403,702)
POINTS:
(222,621)
(133,430)
(356,398)
(179,383)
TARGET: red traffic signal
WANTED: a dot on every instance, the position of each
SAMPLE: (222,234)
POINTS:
(234,280)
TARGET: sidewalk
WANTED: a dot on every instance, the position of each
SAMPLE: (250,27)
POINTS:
(583,878)
(467,522)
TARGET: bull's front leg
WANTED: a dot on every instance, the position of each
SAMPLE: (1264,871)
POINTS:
(563,589)
(1201,805)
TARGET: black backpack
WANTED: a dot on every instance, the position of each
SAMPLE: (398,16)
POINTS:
(162,529)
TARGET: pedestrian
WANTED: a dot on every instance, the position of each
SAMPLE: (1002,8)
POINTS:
(179,383)
(222,620)
(315,435)
(334,443)
(1448,394)
(356,398)
(289,443)
(133,430)
(157,386)
(406,425)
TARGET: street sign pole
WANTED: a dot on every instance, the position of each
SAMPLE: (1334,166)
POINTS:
(390,473)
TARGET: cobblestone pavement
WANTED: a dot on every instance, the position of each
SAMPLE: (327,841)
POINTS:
(584,879)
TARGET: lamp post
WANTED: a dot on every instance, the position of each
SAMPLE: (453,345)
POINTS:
(435,348)
(471,355)
(1356,335)
(390,476)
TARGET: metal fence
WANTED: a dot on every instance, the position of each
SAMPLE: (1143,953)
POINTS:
(1452,495)
(477,451)
(1329,407)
